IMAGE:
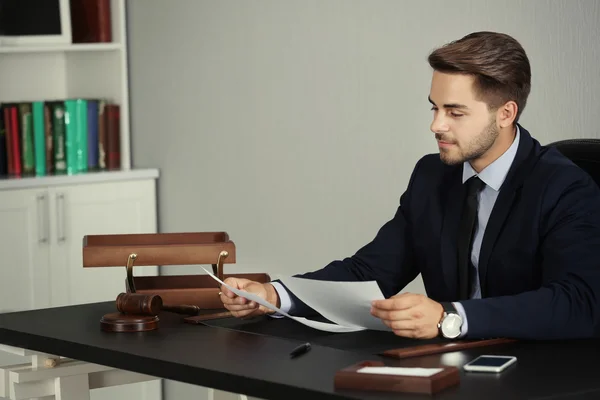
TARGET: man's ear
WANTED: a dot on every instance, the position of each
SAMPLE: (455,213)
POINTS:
(507,113)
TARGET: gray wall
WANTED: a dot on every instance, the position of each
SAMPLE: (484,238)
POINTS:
(294,125)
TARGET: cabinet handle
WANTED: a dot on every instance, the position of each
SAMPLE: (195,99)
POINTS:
(60,217)
(42,216)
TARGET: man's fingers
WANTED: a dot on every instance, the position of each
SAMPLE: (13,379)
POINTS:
(411,329)
(407,333)
(228,293)
(229,300)
(243,313)
(233,300)
(388,304)
(391,315)
(238,303)
(404,325)
(225,290)
(400,302)
(235,283)
(238,307)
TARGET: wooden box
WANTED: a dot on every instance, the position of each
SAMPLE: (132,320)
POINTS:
(160,249)
(349,378)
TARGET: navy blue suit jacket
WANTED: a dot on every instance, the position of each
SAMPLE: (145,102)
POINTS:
(540,257)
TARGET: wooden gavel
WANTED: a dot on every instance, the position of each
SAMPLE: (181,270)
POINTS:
(150,304)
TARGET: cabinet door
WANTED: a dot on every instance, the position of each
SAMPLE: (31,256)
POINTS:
(96,208)
(99,208)
(24,246)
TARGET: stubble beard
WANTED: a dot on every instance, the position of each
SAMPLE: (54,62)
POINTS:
(474,149)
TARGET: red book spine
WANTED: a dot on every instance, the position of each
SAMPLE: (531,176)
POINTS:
(91,21)
(49,139)
(113,136)
(14,139)
(104,21)
(8,133)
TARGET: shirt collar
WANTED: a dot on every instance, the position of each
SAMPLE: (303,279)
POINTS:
(494,174)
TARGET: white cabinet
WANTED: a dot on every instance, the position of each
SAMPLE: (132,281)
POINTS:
(41,233)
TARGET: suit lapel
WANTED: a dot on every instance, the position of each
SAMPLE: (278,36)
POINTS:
(509,191)
(501,209)
(453,194)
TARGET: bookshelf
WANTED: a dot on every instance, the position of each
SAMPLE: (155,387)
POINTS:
(44,218)
(89,70)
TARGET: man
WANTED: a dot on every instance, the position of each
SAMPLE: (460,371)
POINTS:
(505,232)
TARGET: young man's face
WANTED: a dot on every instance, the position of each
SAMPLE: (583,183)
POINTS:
(464,127)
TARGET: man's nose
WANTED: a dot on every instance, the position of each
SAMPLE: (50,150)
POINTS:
(439,124)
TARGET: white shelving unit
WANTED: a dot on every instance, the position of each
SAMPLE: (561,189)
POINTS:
(43,219)
(95,70)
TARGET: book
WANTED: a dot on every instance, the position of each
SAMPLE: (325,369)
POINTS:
(3,154)
(91,21)
(39,138)
(54,137)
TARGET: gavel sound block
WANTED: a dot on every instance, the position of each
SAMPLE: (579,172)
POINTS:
(138,312)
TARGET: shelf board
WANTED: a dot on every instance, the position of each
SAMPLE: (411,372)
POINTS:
(77,179)
(61,48)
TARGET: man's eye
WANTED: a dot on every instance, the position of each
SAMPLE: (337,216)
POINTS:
(456,115)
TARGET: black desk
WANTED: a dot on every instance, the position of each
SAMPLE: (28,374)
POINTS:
(251,357)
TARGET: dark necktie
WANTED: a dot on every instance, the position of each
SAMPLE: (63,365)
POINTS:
(467,274)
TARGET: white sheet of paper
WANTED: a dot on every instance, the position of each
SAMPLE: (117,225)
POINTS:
(400,371)
(345,303)
(323,326)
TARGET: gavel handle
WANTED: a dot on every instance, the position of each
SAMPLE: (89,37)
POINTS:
(182,309)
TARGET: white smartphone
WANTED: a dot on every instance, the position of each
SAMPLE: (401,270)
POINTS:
(489,363)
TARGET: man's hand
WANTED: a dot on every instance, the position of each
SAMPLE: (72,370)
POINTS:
(410,315)
(241,307)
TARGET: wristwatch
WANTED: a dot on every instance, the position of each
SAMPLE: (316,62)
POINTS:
(451,323)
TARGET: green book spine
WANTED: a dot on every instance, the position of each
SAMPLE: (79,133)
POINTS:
(81,105)
(27,149)
(76,135)
(59,132)
(39,138)
(71,136)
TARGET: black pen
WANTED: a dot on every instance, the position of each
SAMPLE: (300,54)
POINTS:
(303,348)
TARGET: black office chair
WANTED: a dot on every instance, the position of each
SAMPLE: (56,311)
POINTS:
(583,152)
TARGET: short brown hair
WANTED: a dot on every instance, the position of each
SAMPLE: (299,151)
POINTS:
(498,62)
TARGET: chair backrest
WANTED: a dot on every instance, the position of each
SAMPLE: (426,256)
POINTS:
(583,152)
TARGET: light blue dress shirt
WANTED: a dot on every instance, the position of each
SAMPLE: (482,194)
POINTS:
(493,176)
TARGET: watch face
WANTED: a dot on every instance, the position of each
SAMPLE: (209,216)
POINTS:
(451,325)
